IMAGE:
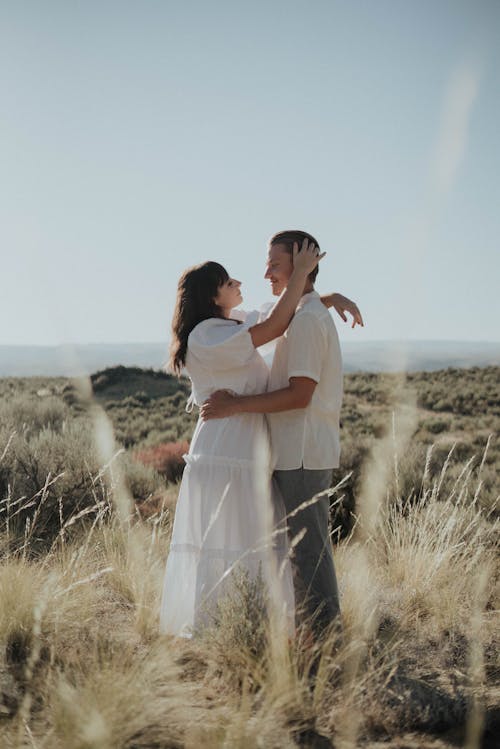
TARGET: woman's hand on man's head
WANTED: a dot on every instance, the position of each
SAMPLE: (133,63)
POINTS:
(308,257)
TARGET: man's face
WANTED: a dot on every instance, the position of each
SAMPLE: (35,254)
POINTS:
(279,268)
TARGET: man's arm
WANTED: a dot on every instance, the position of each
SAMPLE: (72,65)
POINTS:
(222,403)
(306,349)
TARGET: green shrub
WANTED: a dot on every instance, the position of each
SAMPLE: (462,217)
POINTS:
(352,457)
(407,478)
(53,474)
(51,477)
(31,414)
(436,426)
(235,629)
(142,480)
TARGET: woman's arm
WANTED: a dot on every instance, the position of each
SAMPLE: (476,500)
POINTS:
(342,305)
(303,263)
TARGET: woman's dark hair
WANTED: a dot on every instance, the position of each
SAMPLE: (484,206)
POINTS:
(196,291)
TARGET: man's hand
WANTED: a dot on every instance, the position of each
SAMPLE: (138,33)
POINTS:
(220,405)
(342,304)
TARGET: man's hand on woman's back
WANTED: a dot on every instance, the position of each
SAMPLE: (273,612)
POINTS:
(220,405)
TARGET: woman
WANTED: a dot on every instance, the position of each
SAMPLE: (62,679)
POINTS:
(222,516)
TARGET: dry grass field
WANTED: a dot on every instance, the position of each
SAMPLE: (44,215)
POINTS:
(86,506)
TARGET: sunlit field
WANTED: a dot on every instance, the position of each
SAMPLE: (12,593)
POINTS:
(89,476)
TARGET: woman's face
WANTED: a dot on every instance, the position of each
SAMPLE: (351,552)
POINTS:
(229,294)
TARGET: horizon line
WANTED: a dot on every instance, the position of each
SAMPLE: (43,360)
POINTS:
(165,343)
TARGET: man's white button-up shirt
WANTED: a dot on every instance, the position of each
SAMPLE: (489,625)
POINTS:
(308,437)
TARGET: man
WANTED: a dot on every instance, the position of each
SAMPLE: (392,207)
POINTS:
(303,407)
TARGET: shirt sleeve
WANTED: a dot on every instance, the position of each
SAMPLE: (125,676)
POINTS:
(254,316)
(307,346)
(265,310)
(220,344)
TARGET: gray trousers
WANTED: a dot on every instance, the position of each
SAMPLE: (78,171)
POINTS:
(315,582)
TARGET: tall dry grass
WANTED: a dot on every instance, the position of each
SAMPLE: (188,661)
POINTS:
(82,665)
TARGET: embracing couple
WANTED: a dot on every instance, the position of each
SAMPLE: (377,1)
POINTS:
(247,477)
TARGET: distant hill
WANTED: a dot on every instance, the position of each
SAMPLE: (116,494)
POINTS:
(366,356)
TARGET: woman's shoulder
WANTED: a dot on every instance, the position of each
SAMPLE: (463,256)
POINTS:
(212,329)
(221,342)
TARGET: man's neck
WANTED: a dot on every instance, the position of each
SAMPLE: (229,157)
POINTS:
(308,287)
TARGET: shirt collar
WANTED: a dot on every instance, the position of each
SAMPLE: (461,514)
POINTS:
(307,297)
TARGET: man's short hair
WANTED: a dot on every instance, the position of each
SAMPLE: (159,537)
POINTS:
(289,237)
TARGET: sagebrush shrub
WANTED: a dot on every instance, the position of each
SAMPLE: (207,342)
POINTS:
(236,627)
(49,477)
(352,457)
(30,414)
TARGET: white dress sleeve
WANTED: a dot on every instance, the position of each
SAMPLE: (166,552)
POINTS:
(220,343)
(254,316)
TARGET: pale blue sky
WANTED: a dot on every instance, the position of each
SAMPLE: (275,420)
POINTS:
(137,138)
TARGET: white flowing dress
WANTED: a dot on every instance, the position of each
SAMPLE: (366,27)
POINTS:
(226,508)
